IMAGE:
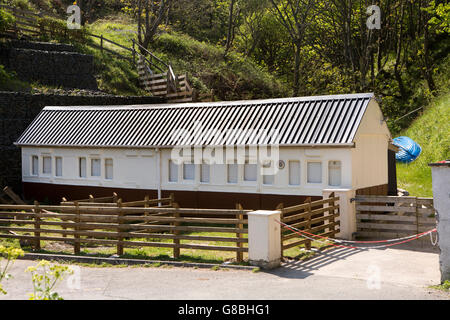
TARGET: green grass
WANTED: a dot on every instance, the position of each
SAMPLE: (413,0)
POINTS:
(232,78)
(432,132)
(443,287)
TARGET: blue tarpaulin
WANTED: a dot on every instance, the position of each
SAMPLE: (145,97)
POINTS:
(409,149)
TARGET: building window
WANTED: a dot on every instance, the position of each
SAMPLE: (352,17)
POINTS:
(334,173)
(47,165)
(173,171)
(82,167)
(109,169)
(314,172)
(205,170)
(95,168)
(35,165)
(294,173)
(232,173)
(58,166)
(268,179)
(188,171)
(250,171)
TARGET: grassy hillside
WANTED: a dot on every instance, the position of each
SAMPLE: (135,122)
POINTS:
(432,132)
(233,78)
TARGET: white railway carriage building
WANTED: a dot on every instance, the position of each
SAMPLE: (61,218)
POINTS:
(324,142)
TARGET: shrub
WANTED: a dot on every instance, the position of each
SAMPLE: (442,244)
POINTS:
(10,254)
(6,20)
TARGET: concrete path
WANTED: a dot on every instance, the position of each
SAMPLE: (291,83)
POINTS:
(333,274)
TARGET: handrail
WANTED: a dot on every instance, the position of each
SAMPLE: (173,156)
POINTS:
(171,78)
(151,54)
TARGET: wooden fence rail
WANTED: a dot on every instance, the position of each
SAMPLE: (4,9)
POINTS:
(125,227)
(389,216)
(317,217)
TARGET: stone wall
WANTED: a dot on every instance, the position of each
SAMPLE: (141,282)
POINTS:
(44,62)
(17,110)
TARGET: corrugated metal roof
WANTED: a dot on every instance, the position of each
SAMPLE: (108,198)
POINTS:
(321,120)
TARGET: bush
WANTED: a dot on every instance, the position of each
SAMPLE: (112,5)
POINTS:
(9,82)
(56,29)
(6,20)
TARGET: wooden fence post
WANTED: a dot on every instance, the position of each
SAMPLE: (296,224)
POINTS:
(308,225)
(331,214)
(77,245)
(280,207)
(240,216)
(119,228)
(146,203)
(176,249)
(417,215)
(101,43)
(37,225)
(172,199)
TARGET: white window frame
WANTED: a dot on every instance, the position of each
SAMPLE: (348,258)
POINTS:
(245,167)
(91,173)
(228,173)
(34,166)
(106,169)
(299,172)
(169,171)
(49,158)
(208,168)
(340,173)
(268,164)
(307,172)
(185,166)
(80,168)
(56,166)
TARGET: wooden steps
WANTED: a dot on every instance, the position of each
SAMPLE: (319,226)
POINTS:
(158,85)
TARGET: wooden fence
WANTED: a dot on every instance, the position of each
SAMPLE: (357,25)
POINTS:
(113,201)
(317,217)
(125,227)
(391,217)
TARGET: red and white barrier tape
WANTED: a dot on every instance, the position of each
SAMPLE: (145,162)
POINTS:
(397,241)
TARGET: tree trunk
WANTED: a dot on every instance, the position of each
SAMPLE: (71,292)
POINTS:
(230,27)
(296,85)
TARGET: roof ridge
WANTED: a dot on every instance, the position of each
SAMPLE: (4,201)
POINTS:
(216,103)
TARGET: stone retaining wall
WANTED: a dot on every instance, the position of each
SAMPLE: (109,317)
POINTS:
(17,110)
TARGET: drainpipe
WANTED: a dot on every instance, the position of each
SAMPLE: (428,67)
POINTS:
(158,172)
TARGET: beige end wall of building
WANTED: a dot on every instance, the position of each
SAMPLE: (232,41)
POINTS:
(369,157)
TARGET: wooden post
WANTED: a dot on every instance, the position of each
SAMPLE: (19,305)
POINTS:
(114,197)
(76,246)
(146,204)
(13,195)
(37,225)
(176,249)
(172,199)
(417,215)
(308,225)
(101,43)
(280,207)
(119,228)
(240,216)
(331,214)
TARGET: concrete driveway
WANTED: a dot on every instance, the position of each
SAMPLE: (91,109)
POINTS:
(333,274)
